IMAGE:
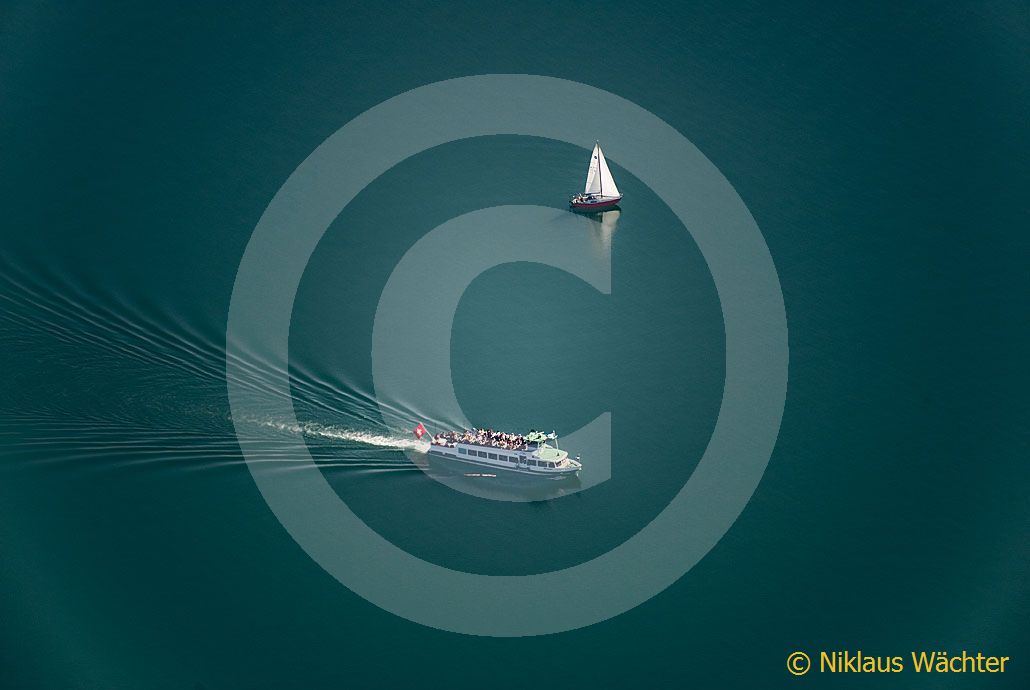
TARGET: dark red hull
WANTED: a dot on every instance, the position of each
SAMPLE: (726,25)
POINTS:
(595,206)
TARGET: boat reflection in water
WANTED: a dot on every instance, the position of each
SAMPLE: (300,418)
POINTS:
(603,225)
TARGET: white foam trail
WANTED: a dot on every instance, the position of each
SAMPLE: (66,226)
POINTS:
(336,433)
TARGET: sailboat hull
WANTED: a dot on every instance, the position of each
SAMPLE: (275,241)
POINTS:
(596,205)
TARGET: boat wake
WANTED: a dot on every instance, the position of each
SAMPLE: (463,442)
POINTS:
(334,433)
(151,390)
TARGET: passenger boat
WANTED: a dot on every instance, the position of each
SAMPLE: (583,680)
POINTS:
(600,192)
(529,454)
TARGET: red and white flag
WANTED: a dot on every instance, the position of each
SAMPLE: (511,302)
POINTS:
(420,431)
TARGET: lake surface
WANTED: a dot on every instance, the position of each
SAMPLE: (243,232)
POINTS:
(883,154)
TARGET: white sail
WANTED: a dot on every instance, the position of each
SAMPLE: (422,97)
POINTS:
(599,177)
(608,187)
(593,184)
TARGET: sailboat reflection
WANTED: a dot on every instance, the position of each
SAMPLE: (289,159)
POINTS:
(603,225)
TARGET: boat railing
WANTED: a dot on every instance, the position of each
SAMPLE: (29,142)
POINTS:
(451,443)
(492,445)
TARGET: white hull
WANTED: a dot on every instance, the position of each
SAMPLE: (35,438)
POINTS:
(516,461)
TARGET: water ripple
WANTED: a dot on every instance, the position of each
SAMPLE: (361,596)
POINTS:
(175,413)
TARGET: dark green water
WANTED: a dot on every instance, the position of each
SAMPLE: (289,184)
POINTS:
(883,153)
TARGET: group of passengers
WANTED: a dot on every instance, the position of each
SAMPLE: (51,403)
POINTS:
(482,437)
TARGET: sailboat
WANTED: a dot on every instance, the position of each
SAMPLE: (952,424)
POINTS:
(600,192)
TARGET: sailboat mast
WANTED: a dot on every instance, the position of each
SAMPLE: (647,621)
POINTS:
(600,177)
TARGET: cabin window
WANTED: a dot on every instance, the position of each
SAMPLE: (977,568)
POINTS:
(550,464)
(482,453)
(492,456)
(531,463)
(461,450)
